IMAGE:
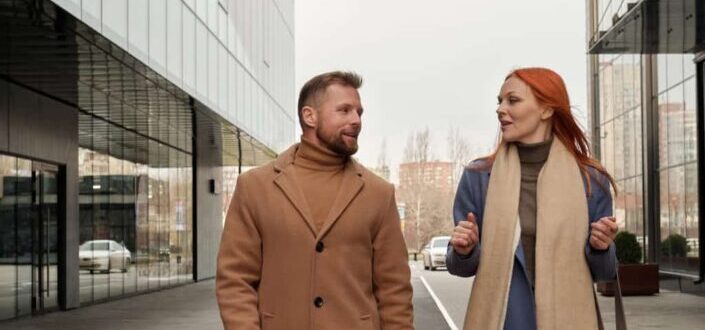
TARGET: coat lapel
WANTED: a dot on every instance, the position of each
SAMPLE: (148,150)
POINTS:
(287,184)
(351,185)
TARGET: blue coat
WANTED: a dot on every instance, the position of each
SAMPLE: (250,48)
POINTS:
(470,197)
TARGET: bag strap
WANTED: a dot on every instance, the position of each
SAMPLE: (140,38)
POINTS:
(619,307)
(620,319)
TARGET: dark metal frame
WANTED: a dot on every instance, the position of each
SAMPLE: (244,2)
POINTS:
(650,161)
(700,62)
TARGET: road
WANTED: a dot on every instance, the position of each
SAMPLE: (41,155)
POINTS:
(451,293)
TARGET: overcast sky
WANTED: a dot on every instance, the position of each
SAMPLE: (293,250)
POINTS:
(438,63)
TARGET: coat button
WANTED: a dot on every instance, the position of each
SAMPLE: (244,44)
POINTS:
(318,302)
(319,247)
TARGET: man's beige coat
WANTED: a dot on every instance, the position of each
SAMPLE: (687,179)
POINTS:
(276,272)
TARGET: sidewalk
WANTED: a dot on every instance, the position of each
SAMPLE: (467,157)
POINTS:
(189,307)
(192,306)
(668,310)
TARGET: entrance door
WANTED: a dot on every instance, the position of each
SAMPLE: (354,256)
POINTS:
(29,218)
(44,237)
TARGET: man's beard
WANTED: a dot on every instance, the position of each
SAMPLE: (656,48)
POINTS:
(335,143)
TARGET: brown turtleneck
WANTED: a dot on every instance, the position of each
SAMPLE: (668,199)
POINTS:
(532,157)
(319,173)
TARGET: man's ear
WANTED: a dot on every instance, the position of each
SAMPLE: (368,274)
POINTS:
(546,113)
(309,116)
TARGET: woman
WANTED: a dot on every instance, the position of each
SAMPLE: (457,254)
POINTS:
(538,231)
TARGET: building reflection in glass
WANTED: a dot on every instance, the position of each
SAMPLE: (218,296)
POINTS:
(134,196)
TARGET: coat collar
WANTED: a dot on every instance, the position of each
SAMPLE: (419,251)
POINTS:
(351,186)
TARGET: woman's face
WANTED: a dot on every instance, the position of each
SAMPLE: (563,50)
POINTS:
(521,117)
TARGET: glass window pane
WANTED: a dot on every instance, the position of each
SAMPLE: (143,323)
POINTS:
(642,233)
(8,237)
(675,122)
(689,66)
(618,85)
(25,216)
(661,73)
(175,256)
(101,212)
(165,210)
(130,229)
(85,213)
(154,198)
(663,115)
(619,144)
(664,206)
(141,255)
(676,187)
(690,119)
(675,69)
(116,211)
(189,217)
(691,219)
(639,138)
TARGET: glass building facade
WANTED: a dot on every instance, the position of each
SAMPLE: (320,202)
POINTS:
(125,124)
(646,95)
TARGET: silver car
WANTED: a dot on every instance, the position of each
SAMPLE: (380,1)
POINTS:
(103,256)
(434,253)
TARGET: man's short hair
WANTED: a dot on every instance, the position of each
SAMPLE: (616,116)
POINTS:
(313,89)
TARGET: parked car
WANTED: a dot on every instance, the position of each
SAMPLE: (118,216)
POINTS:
(434,253)
(104,256)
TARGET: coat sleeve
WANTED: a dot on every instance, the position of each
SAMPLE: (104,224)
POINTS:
(239,264)
(602,263)
(391,274)
(465,202)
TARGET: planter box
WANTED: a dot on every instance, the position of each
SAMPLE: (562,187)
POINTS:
(635,280)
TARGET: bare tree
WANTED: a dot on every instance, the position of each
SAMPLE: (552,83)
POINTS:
(459,153)
(417,148)
(382,157)
(426,205)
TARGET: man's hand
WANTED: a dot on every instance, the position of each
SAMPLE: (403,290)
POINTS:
(465,236)
(602,233)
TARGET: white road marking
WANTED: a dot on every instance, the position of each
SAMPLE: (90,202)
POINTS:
(439,304)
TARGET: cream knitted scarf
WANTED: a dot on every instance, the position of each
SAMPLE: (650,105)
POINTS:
(563,285)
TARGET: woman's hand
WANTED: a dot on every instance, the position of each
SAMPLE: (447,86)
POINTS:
(465,236)
(602,233)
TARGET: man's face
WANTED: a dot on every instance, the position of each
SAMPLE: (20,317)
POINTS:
(339,120)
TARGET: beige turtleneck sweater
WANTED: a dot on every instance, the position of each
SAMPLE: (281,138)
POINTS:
(319,173)
(532,157)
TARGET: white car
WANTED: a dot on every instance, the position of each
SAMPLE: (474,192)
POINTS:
(434,253)
(103,256)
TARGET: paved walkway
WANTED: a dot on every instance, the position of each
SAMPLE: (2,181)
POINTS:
(668,310)
(189,307)
(194,307)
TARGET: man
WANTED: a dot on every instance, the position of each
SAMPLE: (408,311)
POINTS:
(312,240)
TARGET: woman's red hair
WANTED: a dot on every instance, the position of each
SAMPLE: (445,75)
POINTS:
(550,91)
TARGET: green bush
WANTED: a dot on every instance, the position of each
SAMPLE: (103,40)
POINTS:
(675,245)
(628,249)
